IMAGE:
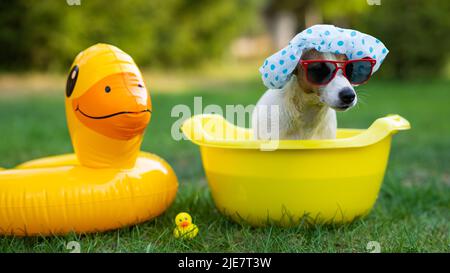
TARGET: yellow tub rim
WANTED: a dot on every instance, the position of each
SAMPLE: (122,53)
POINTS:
(202,130)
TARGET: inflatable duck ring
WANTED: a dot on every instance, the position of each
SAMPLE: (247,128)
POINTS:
(108,183)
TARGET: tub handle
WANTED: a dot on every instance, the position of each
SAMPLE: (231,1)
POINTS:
(396,123)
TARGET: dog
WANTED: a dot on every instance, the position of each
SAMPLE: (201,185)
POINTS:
(305,110)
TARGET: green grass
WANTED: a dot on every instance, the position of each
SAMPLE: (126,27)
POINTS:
(411,215)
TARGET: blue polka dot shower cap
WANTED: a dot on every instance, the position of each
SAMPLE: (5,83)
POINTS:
(276,70)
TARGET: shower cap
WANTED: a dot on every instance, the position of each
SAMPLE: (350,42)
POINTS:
(276,70)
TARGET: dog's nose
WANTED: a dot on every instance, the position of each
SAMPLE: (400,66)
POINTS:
(347,95)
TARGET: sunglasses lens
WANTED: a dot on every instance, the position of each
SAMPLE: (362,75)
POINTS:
(320,72)
(358,72)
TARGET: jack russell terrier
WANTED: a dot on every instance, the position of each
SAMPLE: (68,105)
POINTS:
(311,79)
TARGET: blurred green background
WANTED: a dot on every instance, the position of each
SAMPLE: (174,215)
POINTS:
(212,49)
(46,35)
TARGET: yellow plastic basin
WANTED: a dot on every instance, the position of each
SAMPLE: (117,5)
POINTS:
(331,181)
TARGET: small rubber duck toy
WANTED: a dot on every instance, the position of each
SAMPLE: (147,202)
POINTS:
(185,229)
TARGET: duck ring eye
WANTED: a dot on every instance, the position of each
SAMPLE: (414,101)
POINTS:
(107,89)
(72,80)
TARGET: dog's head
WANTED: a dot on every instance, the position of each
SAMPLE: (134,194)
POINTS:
(338,94)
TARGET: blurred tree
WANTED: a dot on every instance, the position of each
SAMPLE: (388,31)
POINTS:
(342,12)
(306,13)
(309,12)
(26,34)
(415,32)
(48,34)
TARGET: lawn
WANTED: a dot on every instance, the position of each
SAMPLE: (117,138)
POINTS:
(412,213)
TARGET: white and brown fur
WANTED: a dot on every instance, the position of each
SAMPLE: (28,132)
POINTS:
(306,111)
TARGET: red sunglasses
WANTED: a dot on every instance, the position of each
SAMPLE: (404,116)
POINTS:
(321,72)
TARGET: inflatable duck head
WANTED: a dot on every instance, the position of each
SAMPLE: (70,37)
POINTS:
(107,107)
